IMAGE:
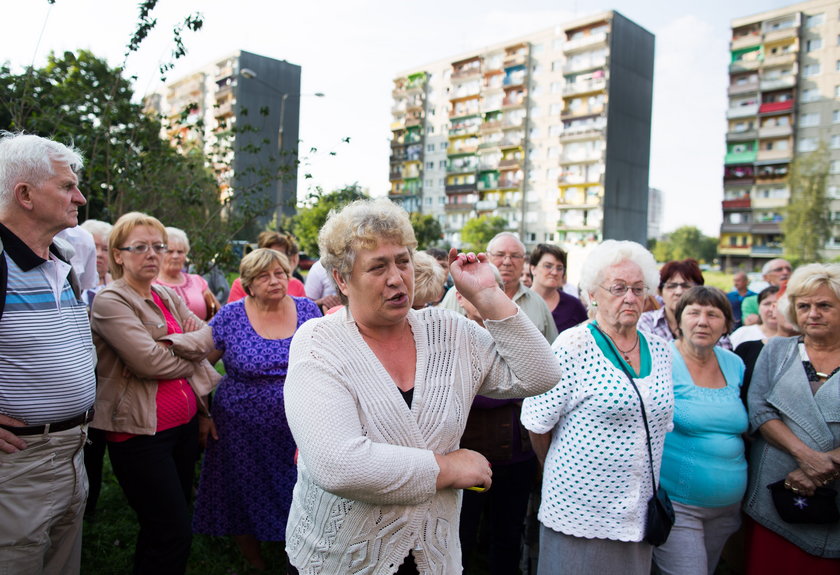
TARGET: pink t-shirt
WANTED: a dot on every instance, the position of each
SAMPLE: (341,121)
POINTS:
(295,289)
(192,292)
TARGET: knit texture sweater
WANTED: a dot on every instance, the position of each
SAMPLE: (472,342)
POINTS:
(365,495)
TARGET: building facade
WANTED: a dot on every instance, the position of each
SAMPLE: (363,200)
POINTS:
(784,101)
(244,111)
(550,131)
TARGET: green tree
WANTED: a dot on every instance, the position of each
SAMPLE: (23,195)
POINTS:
(806,225)
(310,219)
(686,242)
(427,230)
(477,232)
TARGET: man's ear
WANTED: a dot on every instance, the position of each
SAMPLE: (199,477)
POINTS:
(23,195)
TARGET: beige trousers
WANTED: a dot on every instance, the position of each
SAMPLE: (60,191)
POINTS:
(43,490)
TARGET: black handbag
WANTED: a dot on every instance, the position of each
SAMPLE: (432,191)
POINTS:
(819,508)
(660,511)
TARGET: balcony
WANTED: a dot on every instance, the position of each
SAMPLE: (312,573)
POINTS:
(740,203)
(586,87)
(462,168)
(781,59)
(727,250)
(742,136)
(744,66)
(774,155)
(509,183)
(461,188)
(774,131)
(742,111)
(746,88)
(510,163)
(747,41)
(584,42)
(766,228)
(727,227)
(486,205)
(767,251)
(581,111)
(776,107)
(494,126)
(740,157)
(771,84)
(580,66)
(769,203)
(781,34)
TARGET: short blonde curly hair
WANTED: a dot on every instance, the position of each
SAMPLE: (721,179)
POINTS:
(362,224)
(258,261)
(805,281)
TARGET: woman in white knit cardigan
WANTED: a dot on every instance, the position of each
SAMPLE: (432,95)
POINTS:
(377,397)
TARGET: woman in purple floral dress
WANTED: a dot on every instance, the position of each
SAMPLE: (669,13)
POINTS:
(249,470)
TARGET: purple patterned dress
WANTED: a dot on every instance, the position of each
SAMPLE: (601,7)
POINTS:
(248,474)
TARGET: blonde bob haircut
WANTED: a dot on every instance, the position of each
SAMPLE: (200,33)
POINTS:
(260,261)
(429,277)
(805,281)
(362,225)
(120,232)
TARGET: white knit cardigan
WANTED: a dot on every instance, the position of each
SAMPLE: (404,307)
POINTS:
(365,495)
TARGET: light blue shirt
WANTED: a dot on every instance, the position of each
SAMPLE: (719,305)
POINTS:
(703,463)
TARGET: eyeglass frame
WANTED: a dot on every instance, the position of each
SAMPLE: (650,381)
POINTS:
(143,248)
(504,256)
(638,291)
(674,285)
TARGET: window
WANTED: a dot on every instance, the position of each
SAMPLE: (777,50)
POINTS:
(809,120)
(835,142)
(430,166)
(442,164)
(430,147)
(811,70)
(813,44)
(836,91)
(835,167)
(814,20)
(837,66)
(554,130)
(556,87)
(557,66)
(807,144)
(835,117)
(443,145)
(810,95)
(554,109)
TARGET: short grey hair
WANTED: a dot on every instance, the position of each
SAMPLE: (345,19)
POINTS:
(610,253)
(97,228)
(32,159)
(177,235)
(506,235)
(765,269)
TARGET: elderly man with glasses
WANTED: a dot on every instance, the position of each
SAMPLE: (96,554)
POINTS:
(776,272)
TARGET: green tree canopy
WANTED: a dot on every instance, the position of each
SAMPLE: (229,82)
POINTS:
(309,220)
(686,242)
(477,232)
(427,230)
(806,225)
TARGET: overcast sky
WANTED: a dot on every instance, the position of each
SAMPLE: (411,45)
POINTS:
(352,50)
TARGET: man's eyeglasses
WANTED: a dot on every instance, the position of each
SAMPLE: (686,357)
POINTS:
(503,256)
(619,290)
(143,248)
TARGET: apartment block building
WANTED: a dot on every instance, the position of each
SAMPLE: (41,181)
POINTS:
(784,101)
(550,131)
(241,90)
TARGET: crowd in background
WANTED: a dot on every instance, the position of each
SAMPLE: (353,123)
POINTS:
(543,427)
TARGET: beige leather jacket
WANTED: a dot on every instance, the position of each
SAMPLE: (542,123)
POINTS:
(128,331)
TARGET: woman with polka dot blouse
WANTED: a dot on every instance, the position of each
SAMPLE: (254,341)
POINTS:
(588,430)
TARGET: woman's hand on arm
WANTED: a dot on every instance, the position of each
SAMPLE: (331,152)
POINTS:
(474,280)
(462,469)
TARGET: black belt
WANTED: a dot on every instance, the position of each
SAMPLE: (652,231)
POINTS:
(83,418)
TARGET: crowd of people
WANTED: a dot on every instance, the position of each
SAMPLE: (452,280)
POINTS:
(398,411)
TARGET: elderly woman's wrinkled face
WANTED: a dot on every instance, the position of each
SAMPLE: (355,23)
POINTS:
(702,325)
(175,258)
(614,308)
(270,284)
(767,310)
(381,285)
(101,254)
(141,268)
(818,314)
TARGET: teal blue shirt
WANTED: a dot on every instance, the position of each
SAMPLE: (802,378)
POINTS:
(703,463)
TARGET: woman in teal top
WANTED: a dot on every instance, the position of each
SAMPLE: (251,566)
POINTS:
(703,465)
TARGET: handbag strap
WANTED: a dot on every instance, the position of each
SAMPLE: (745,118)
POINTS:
(638,393)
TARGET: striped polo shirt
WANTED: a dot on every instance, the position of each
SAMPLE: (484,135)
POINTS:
(47,356)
